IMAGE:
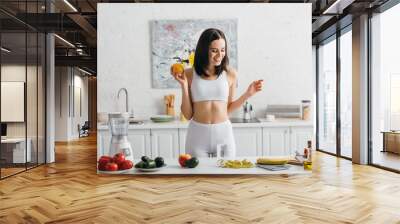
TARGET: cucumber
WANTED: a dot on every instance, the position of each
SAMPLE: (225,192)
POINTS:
(139,164)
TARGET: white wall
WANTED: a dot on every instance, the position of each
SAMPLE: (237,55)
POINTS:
(15,72)
(66,119)
(33,126)
(274,43)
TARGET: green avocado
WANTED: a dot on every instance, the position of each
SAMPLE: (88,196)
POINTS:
(192,163)
(145,158)
(159,161)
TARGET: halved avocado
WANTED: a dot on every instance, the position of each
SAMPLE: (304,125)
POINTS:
(151,164)
(192,163)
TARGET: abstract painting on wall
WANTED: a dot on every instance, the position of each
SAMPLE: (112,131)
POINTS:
(175,41)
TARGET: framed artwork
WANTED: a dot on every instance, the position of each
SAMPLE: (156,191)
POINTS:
(175,41)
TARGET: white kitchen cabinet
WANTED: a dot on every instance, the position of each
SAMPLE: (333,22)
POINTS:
(140,142)
(139,139)
(257,140)
(248,141)
(276,141)
(299,137)
(165,143)
(182,140)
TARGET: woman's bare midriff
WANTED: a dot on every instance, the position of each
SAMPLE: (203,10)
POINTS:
(210,112)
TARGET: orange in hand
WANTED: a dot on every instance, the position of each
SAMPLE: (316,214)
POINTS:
(177,68)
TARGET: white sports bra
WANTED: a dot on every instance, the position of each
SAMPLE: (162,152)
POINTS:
(207,90)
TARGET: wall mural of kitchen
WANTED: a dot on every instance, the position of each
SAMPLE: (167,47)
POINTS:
(169,96)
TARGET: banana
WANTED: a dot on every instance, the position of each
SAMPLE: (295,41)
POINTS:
(272,160)
(236,164)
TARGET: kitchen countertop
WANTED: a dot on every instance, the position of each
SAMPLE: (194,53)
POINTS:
(178,124)
(209,166)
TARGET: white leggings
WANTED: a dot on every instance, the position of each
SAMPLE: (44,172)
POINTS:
(202,139)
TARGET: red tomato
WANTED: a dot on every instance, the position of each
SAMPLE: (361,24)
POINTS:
(119,158)
(111,167)
(104,160)
(183,158)
(106,157)
(101,167)
(127,164)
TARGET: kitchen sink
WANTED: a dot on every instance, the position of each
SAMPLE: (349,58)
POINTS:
(241,120)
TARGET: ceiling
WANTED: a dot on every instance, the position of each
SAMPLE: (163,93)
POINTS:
(77,22)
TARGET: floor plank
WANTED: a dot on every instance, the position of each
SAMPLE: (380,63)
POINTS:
(70,191)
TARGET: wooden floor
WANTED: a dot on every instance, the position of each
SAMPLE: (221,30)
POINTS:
(10,171)
(387,159)
(70,191)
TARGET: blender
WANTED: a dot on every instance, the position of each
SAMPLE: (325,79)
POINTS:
(118,124)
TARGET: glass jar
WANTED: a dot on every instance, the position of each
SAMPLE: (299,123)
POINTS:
(305,109)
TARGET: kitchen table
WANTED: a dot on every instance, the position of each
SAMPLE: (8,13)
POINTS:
(208,166)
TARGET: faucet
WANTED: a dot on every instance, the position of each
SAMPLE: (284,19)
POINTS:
(126,98)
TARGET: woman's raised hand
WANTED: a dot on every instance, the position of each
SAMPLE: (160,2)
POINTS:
(178,72)
(254,87)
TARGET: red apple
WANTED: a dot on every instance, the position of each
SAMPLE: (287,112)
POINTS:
(183,158)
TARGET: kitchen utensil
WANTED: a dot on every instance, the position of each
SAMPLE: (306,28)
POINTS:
(169,101)
(224,152)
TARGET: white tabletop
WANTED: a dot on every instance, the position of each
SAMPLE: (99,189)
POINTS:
(209,166)
(178,124)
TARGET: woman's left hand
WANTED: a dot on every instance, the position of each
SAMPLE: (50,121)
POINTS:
(254,87)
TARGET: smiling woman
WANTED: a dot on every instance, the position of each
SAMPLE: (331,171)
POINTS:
(208,96)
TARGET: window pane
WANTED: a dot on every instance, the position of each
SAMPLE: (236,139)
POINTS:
(13,87)
(31,97)
(327,96)
(385,83)
(346,93)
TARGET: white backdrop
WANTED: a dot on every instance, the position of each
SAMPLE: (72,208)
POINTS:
(274,44)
